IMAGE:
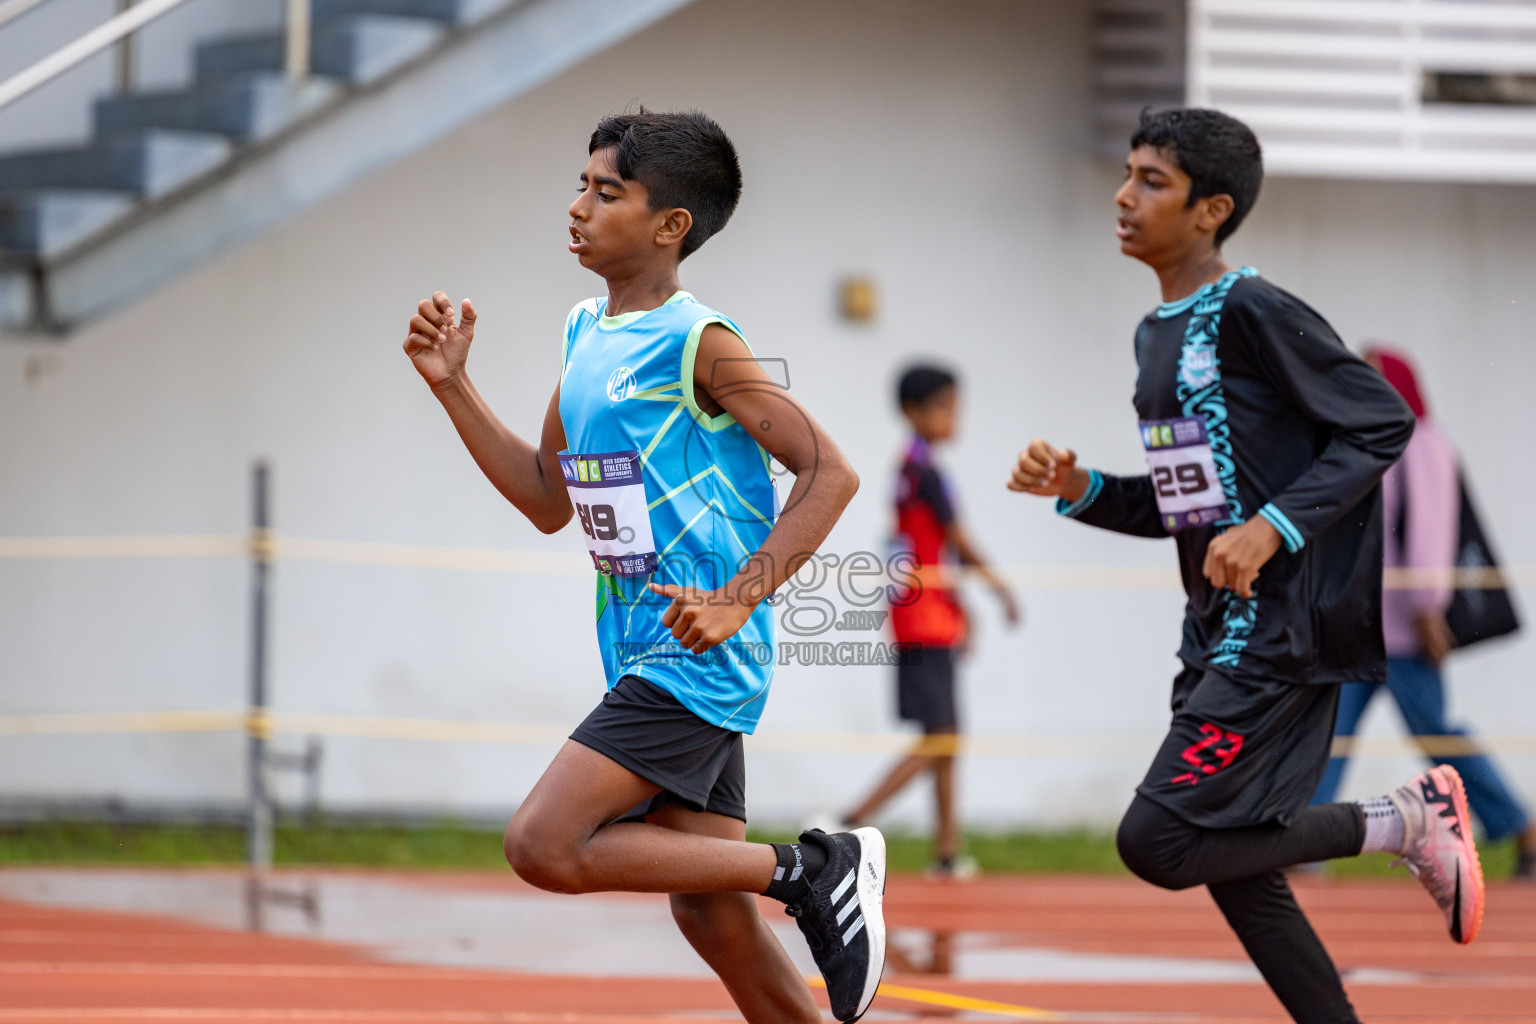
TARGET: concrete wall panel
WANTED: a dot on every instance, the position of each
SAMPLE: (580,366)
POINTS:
(944,150)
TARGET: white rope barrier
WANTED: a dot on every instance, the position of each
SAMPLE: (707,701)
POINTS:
(50,548)
(545,735)
(419,556)
(574,564)
(121,722)
(267,547)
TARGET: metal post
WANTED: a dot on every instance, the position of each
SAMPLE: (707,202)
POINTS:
(258,837)
(296,50)
(312,754)
(125,54)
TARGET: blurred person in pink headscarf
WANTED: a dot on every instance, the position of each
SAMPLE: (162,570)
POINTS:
(1421,505)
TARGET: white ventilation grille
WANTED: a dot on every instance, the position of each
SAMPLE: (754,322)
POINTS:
(1428,89)
(1138,61)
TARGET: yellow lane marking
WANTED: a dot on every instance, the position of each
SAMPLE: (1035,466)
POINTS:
(956,1002)
(952,1001)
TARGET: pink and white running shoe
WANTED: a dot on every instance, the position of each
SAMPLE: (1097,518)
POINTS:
(1438,847)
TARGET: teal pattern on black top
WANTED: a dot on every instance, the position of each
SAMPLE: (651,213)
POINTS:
(1200,393)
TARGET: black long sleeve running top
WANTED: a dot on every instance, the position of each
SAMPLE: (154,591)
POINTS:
(1300,432)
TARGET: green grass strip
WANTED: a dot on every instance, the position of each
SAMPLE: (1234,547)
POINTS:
(461,846)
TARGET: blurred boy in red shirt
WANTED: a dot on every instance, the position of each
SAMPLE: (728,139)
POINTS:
(930,617)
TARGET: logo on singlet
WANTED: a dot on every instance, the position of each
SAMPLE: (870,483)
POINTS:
(621,384)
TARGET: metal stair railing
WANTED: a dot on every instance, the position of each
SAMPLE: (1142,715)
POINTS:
(13,9)
(121,27)
(174,173)
(296,50)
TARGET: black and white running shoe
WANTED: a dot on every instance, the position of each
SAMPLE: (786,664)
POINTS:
(843,920)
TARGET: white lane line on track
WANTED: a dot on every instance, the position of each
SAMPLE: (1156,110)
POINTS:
(256,1016)
(237,970)
(86,937)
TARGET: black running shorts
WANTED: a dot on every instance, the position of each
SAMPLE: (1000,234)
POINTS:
(648,731)
(925,689)
(1241,753)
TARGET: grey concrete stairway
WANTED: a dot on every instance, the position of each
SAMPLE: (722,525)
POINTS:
(171,178)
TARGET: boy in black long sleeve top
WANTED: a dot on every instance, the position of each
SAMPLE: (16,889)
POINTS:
(1265,441)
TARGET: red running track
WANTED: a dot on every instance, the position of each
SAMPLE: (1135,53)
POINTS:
(1027,948)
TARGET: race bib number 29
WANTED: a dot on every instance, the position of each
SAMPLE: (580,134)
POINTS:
(1183,472)
(610,503)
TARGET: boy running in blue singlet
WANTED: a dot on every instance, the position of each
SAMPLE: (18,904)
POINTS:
(658,439)
(1266,441)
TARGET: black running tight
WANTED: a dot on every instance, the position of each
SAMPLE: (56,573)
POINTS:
(1241,867)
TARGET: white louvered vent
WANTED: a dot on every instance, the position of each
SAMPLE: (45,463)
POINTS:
(1429,89)
(1138,61)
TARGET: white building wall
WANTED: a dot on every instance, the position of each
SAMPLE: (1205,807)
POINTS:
(945,150)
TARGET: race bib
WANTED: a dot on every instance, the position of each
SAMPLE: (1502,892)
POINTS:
(1183,472)
(610,502)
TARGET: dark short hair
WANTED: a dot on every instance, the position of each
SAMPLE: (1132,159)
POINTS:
(683,159)
(1218,152)
(921,383)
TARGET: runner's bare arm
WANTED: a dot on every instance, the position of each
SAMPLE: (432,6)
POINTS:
(527,476)
(726,373)
(971,556)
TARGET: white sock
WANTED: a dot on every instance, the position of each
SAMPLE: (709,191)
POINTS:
(1385,831)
